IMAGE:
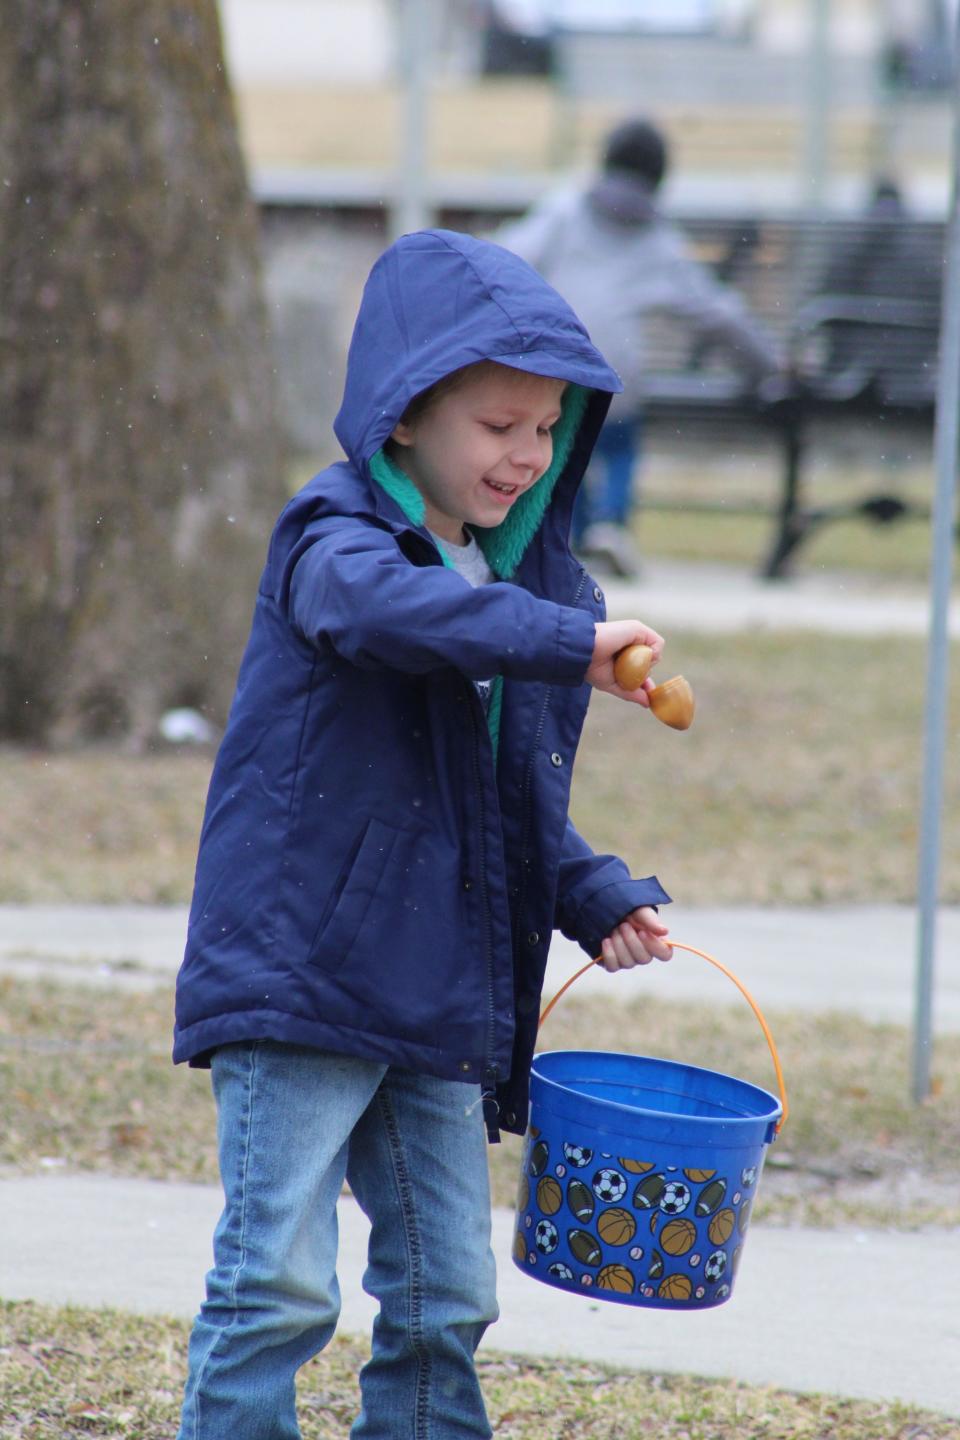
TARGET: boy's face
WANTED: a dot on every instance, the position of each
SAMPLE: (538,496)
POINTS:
(478,447)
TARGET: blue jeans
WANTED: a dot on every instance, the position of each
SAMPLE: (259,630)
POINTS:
(608,496)
(292,1124)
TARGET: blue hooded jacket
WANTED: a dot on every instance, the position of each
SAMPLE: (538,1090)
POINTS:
(381,864)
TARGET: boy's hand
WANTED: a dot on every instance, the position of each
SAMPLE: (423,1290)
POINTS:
(612,636)
(637,940)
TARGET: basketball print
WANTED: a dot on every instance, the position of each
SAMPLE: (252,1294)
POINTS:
(678,1236)
(549,1195)
(519,1247)
(616,1226)
(634,1167)
(699,1177)
(675,1287)
(616,1277)
(721,1227)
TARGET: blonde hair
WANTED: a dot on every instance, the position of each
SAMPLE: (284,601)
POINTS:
(421,403)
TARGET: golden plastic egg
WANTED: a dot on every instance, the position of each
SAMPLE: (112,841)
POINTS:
(632,666)
(672,702)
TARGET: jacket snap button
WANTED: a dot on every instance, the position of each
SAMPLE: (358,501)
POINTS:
(533,938)
(465,1066)
(511,1118)
(468,883)
(597,594)
(556,759)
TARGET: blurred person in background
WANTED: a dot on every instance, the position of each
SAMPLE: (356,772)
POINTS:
(883,256)
(617,260)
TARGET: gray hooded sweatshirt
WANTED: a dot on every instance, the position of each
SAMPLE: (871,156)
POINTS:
(618,262)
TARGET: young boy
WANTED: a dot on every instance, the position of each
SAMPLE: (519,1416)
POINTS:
(386,847)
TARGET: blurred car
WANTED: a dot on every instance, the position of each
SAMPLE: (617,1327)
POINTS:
(518,34)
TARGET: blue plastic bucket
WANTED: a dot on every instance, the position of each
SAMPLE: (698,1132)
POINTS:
(639,1176)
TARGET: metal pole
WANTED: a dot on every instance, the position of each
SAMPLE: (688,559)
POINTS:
(817,127)
(410,208)
(947,434)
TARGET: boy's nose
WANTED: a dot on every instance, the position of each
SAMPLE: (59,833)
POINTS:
(527,454)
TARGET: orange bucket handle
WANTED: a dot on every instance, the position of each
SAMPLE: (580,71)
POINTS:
(676,945)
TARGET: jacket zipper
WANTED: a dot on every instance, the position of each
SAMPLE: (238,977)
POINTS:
(488,1079)
(528,774)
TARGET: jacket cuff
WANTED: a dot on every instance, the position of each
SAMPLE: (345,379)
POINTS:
(576,637)
(604,909)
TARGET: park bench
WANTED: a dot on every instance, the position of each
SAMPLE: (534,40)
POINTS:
(697,405)
(854,361)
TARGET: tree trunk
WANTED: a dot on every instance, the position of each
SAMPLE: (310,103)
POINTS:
(139,467)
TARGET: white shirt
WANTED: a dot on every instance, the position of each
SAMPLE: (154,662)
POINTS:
(470,562)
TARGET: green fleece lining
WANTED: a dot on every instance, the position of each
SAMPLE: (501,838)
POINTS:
(504,545)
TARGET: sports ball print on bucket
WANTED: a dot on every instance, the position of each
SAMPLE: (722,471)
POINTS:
(639,1175)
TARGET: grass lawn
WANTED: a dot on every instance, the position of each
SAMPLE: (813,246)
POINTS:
(71,1373)
(695,505)
(798,783)
(86,1083)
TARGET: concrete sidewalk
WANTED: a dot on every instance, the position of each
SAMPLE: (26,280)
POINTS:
(857,1313)
(858,958)
(673,595)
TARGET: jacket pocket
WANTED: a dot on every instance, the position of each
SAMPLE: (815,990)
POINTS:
(354,892)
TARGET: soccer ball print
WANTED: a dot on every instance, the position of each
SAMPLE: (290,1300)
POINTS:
(583,1233)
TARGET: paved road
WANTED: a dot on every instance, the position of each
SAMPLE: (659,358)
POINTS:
(858,1313)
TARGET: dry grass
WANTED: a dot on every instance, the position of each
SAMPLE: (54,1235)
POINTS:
(99,825)
(86,1083)
(72,1373)
(675,489)
(798,783)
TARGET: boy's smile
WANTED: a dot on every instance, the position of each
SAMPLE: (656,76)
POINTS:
(479,445)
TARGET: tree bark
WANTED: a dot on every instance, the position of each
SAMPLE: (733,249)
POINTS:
(139,466)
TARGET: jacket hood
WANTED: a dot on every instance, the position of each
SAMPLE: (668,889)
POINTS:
(624,198)
(438,300)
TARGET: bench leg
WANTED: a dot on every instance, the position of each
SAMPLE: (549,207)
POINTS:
(792,523)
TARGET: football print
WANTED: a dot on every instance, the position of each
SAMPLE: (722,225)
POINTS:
(580,1199)
(648,1192)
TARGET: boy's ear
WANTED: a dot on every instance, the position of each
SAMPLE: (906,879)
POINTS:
(402,433)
